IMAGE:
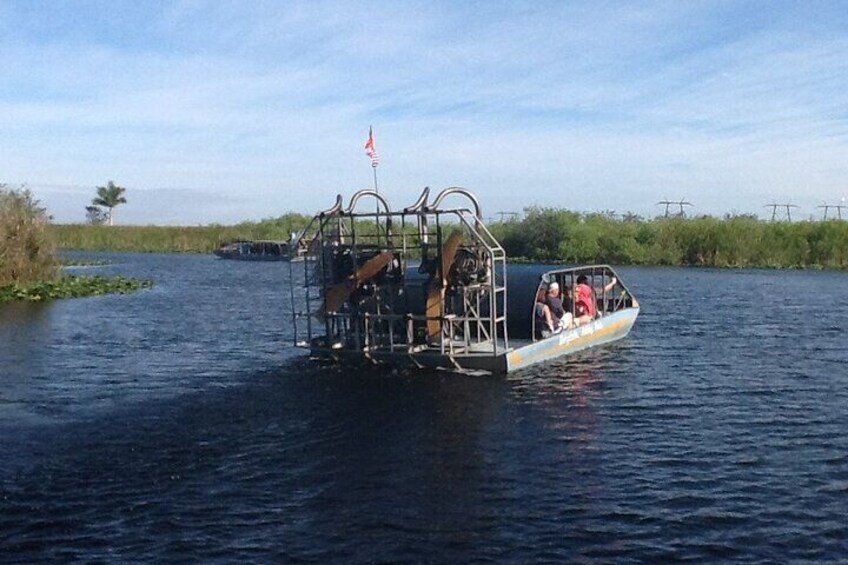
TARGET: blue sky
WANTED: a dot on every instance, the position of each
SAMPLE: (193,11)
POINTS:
(225,111)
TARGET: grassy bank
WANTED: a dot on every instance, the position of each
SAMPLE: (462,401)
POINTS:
(170,239)
(546,235)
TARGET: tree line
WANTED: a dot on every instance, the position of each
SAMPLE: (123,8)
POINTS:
(547,235)
(563,236)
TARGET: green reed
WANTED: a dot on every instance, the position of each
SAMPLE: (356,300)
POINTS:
(171,239)
(27,254)
(545,235)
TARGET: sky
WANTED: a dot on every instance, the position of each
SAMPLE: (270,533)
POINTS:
(219,112)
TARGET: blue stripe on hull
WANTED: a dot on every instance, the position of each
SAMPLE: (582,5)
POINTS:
(604,330)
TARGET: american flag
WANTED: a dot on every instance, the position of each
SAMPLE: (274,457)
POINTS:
(370,150)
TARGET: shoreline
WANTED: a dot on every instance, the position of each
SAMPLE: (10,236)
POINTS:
(549,236)
(510,260)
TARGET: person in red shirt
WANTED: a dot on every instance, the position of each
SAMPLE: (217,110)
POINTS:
(585,302)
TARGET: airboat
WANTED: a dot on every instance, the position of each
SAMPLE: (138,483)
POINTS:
(427,286)
(263,250)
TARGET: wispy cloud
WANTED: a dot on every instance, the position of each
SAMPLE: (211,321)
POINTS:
(265,106)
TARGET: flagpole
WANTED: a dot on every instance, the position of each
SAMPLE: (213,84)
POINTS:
(371,151)
(377,202)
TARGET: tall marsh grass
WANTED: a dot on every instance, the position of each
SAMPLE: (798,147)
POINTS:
(545,235)
(171,239)
(27,254)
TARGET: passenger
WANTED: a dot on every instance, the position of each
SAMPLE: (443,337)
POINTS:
(542,313)
(585,302)
(554,302)
(551,317)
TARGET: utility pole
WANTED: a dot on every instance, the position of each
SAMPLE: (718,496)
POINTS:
(774,208)
(788,214)
(682,202)
(826,207)
(511,215)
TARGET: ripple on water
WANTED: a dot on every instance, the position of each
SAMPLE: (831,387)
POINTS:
(174,425)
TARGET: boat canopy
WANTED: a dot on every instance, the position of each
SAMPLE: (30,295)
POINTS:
(525,281)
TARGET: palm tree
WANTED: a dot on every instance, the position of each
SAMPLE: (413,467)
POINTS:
(110,196)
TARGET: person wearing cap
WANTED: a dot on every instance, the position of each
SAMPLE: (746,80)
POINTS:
(551,317)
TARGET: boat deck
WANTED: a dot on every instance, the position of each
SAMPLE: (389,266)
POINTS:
(481,356)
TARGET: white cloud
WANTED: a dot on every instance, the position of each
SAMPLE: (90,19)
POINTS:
(267,105)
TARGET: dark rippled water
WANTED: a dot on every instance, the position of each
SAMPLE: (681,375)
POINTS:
(177,424)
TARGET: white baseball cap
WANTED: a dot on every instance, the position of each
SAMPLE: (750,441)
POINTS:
(553,286)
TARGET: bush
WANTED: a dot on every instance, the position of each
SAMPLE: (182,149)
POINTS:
(555,235)
(26,253)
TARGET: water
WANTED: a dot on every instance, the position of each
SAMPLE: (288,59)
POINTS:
(178,424)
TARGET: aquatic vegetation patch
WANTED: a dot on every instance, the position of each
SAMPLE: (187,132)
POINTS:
(71,286)
(70,262)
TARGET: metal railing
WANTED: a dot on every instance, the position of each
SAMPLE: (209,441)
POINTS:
(387,312)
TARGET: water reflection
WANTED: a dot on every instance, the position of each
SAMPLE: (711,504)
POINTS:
(23,325)
(26,341)
(567,394)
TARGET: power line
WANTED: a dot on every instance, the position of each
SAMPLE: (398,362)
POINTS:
(511,215)
(826,207)
(837,207)
(774,208)
(667,203)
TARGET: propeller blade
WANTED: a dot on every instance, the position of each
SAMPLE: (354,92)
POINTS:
(337,294)
(373,266)
(436,295)
(449,255)
(434,302)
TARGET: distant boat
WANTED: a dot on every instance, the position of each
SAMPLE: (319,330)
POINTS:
(259,250)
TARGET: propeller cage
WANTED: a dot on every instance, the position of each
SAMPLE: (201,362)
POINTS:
(440,289)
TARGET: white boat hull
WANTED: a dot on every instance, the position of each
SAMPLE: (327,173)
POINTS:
(607,329)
